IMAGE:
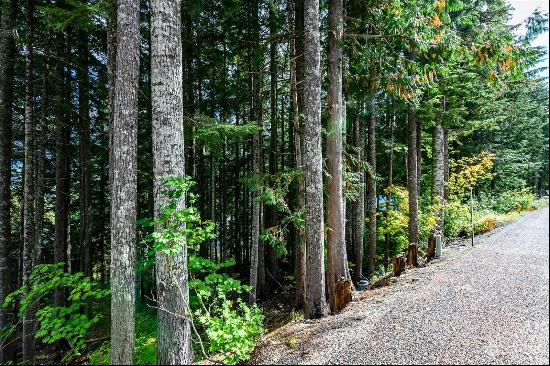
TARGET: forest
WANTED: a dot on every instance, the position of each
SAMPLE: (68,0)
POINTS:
(174,171)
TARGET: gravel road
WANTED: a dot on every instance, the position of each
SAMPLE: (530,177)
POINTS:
(486,305)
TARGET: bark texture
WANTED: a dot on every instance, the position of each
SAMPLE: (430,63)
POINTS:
(389,197)
(270,210)
(296,78)
(257,269)
(174,330)
(40,153)
(438,163)
(371,190)
(124,182)
(84,156)
(28,188)
(337,256)
(357,218)
(61,169)
(412,179)
(315,306)
(7,57)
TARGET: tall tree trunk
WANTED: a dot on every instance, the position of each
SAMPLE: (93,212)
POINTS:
(111,71)
(124,182)
(315,305)
(188,45)
(296,26)
(445,163)
(358,221)
(257,269)
(389,197)
(418,157)
(371,190)
(40,152)
(337,256)
(28,188)
(412,181)
(438,164)
(85,156)
(61,168)
(67,123)
(7,61)
(271,214)
(213,242)
(174,332)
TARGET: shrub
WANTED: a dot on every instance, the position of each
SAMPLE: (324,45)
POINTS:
(457,219)
(395,222)
(222,323)
(467,172)
(145,351)
(55,323)
(485,224)
(521,200)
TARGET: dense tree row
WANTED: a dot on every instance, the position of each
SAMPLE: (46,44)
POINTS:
(298,120)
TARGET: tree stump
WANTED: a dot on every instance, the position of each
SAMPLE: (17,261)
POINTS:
(344,289)
(431,247)
(399,264)
(413,255)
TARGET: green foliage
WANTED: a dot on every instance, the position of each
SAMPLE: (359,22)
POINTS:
(57,323)
(489,210)
(222,322)
(232,328)
(457,219)
(75,13)
(521,200)
(176,226)
(145,351)
(275,191)
(395,221)
(212,132)
(468,172)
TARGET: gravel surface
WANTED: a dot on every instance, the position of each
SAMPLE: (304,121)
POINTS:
(487,304)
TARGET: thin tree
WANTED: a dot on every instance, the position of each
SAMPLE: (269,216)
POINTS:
(359,204)
(257,269)
(62,131)
(124,182)
(270,211)
(7,61)
(28,185)
(296,28)
(84,156)
(412,181)
(174,332)
(371,189)
(315,305)
(438,162)
(336,243)
(389,207)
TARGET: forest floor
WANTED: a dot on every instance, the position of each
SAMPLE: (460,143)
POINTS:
(486,304)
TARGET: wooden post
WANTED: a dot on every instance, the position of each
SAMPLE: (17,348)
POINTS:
(399,264)
(438,245)
(431,247)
